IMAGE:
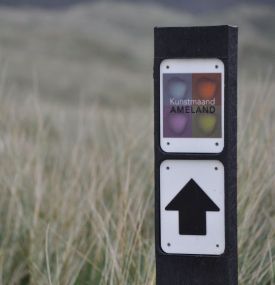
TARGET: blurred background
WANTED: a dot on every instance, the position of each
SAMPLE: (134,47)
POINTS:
(76,137)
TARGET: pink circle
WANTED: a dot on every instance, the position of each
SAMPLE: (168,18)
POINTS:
(177,123)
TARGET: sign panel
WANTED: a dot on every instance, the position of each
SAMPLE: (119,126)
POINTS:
(192,216)
(191,105)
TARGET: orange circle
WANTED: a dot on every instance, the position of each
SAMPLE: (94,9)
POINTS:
(206,88)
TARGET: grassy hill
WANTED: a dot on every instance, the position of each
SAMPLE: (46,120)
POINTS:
(103,52)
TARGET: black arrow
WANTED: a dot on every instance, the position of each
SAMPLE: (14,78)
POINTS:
(192,204)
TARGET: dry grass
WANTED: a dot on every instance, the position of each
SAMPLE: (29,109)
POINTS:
(77,201)
(257,182)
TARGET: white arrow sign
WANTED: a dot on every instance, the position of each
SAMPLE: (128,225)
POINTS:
(192,207)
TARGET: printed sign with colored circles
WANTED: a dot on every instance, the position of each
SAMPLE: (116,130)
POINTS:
(192,105)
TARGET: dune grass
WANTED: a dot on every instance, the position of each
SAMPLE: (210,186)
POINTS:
(256,181)
(77,200)
(77,192)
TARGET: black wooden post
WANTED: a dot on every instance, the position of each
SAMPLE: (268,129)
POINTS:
(219,42)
